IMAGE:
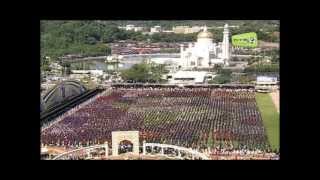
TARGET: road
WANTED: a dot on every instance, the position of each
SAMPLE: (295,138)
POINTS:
(276,99)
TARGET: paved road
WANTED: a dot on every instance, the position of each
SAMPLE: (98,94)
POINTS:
(276,100)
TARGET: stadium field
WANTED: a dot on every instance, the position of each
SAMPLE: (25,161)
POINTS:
(270,118)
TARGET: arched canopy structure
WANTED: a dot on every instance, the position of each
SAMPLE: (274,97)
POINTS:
(61,92)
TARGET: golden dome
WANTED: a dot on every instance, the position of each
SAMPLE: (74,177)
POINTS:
(205,34)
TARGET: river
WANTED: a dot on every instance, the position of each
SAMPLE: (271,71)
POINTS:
(127,62)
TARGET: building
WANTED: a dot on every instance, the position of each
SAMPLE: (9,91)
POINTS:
(189,77)
(266,84)
(205,53)
(193,29)
(96,73)
(80,71)
(136,29)
(179,29)
(44,153)
(155,29)
(221,27)
(80,74)
(131,27)
(186,29)
(167,31)
(55,68)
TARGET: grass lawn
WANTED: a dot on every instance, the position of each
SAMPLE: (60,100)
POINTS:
(270,118)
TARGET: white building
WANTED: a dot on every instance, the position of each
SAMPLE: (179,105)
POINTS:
(220,27)
(204,53)
(155,29)
(266,84)
(189,77)
(96,72)
(167,31)
(92,72)
(55,66)
(136,29)
(80,71)
(79,74)
(266,80)
(186,29)
(193,29)
(179,29)
(131,27)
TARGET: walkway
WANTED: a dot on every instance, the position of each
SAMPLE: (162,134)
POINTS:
(276,100)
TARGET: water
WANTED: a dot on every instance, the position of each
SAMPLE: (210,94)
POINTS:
(126,62)
(100,65)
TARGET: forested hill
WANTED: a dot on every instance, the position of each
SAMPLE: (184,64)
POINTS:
(73,37)
(90,37)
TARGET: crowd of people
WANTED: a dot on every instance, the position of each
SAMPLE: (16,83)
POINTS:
(198,118)
(243,154)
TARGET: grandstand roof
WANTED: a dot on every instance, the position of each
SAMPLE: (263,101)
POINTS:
(61,92)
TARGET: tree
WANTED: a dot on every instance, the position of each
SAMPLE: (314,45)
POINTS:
(45,62)
(91,40)
(224,75)
(220,79)
(217,67)
(275,56)
(244,79)
(46,68)
(262,68)
(226,72)
(144,72)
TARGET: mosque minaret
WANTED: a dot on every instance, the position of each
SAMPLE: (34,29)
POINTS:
(225,44)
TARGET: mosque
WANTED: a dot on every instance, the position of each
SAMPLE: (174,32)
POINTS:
(204,53)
